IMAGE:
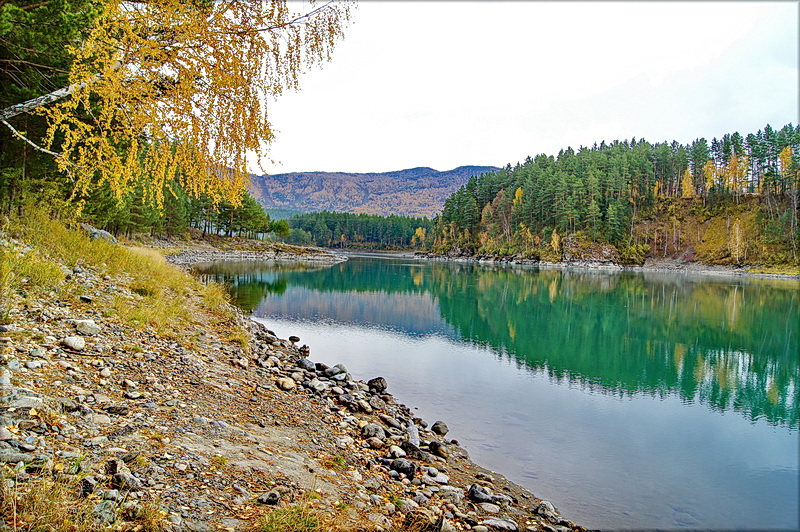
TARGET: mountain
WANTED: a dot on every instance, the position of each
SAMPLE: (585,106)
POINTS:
(411,192)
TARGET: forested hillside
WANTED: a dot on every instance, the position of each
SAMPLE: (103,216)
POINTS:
(733,200)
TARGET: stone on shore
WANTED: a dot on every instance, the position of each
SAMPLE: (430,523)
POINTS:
(440,428)
(378,384)
(76,343)
(286,384)
(87,327)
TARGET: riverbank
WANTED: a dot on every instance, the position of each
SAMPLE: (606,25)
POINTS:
(214,423)
(188,252)
(650,265)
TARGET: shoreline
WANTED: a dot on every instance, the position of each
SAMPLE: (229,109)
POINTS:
(194,255)
(505,506)
(651,265)
(209,431)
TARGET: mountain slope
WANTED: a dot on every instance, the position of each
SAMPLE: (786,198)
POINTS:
(412,192)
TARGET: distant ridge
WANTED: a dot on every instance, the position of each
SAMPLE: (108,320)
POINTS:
(413,192)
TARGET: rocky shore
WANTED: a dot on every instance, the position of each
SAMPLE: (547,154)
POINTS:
(218,434)
(650,265)
(195,254)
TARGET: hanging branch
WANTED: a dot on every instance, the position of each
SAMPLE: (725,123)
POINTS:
(22,137)
(33,103)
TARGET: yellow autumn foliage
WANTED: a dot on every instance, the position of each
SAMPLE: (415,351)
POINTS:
(178,90)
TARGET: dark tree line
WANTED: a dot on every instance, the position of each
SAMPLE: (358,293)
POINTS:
(134,214)
(368,231)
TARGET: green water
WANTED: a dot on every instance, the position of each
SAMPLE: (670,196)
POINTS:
(629,399)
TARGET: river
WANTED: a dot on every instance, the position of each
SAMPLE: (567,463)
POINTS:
(628,399)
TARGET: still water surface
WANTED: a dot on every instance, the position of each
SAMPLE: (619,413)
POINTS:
(629,400)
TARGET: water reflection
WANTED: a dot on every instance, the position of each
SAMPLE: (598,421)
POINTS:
(731,344)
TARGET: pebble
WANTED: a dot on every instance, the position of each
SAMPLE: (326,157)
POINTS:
(87,327)
(38,352)
(412,435)
(305,364)
(440,428)
(404,467)
(396,452)
(378,384)
(547,510)
(271,498)
(76,343)
(501,524)
(480,493)
(318,386)
(375,443)
(373,430)
(286,384)
(439,449)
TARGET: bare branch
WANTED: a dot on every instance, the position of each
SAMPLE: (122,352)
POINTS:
(35,146)
(37,65)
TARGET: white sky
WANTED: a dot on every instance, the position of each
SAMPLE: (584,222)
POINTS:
(445,84)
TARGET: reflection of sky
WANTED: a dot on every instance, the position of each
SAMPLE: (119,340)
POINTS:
(606,461)
(412,314)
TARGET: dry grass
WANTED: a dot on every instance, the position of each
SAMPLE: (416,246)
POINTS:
(294,518)
(21,271)
(44,504)
(53,502)
(164,298)
(145,517)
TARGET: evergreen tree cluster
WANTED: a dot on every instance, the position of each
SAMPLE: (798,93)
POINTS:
(602,191)
(133,214)
(366,231)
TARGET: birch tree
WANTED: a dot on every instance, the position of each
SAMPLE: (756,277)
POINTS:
(163,90)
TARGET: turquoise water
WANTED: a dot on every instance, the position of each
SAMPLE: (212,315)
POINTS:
(630,400)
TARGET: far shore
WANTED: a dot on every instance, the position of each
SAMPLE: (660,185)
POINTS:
(197,252)
(650,265)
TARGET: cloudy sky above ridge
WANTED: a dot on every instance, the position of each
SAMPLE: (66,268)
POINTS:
(445,84)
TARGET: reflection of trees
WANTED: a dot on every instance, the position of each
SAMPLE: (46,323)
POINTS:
(248,282)
(719,342)
(731,344)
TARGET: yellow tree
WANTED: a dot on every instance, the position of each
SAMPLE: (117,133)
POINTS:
(687,185)
(176,89)
(419,237)
(736,174)
(791,180)
(710,175)
(555,242)
(518,196)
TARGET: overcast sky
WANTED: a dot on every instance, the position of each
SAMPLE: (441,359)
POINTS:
(445,84)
